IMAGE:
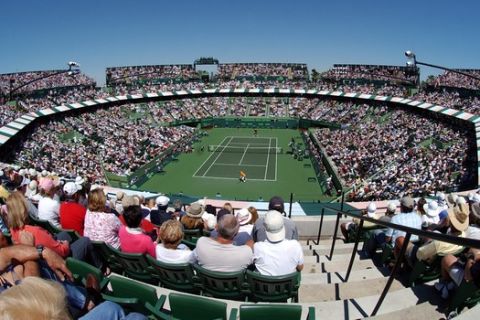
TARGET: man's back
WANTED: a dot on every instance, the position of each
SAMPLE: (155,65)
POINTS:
(410,219)
(277,259)
(215,256)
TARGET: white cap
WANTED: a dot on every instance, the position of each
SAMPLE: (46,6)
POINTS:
(44,173)
(22,172)
(274,226)
(70,188)
(79,180)
(431,208)
(371,209)
(33,185)
(392,207)
(162,201)
(32,172)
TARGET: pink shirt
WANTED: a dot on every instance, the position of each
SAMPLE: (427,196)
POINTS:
(134,241)
(102,226)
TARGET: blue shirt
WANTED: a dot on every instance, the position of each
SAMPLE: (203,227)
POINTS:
(411,219)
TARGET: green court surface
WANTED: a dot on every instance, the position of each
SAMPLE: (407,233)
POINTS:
(213,168)
(255,156)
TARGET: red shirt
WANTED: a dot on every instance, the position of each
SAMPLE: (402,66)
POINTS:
(42,237)
(72,216)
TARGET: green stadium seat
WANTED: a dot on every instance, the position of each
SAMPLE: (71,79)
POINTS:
(274,312)
(466,295)
(172,276)
(108,255)
(130,294)
(45,224)
(189,234)
(191,244)
(186,307)
(223,285)
(273,288)
(81,269)
(135,266)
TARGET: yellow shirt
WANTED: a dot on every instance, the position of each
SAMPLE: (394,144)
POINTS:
(429,251)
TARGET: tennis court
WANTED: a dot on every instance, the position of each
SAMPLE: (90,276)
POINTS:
(256,156)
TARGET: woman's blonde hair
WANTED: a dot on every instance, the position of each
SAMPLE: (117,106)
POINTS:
(17,210)
(36,298)
(192,223)
(97,200)
(171,233)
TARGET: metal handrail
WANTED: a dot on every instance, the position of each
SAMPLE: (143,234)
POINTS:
(465,242)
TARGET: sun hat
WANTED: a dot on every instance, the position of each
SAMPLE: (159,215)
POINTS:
(459,217)
(195,210)
(476,197)
(274,226)
(162,201)
(243,216)
(70,188)
(431,209)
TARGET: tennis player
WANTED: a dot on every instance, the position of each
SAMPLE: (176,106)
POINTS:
(243,176)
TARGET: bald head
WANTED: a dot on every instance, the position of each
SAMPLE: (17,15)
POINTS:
(227,226)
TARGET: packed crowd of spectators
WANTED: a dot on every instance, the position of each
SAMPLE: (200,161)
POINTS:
(452,100)
(287,70)
(393,74)
(455,80)
(53,79)
(132,74)
(383,153)
(104,137)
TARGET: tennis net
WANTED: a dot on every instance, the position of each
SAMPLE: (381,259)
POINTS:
(232,149)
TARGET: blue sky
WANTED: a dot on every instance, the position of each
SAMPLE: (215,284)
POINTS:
(45,34)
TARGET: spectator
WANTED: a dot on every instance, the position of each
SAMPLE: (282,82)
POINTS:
(193,219)
(132,238)
(259,233)
(99,224)
(277,256)
(48,207)
(170,249)
(160,214)
(219,254)
(72,214)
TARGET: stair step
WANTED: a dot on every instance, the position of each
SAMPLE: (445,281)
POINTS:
(362,307)
(342,265)
(423,310)
(338,277)
(347,290)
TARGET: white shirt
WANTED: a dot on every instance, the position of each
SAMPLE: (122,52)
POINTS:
(246,228)
(276,259)
(49,209)
(180,255)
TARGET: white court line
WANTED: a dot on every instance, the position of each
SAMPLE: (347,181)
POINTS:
(209,157)
(218,156)
(244,153)
(236,165)
(268,158)
(276,158)
(225,178)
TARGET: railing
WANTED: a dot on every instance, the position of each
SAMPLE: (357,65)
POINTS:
(465,242)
